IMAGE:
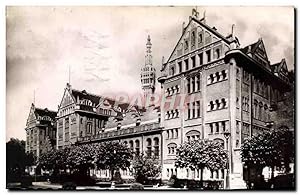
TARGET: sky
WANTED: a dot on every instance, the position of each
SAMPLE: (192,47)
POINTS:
(103,48)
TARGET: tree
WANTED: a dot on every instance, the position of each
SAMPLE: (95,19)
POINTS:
(17,159)
(269,148)
(81,158)
(113,155)
(54,160)
(200,154)
(145,168)
(46,146)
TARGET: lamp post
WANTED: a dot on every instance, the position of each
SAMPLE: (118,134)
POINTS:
(227,135)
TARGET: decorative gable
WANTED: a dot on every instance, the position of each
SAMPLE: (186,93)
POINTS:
(31,117)
(259,54)
(67,99)
(195,35)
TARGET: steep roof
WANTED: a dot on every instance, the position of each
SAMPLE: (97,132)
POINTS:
(45,112)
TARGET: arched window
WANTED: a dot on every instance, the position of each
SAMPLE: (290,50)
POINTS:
(224,103)
(149,147)
(218,76)
(137,146)
(211,103)
(156,146)
(172,148)
(217,53)
(131,145)
(192,135)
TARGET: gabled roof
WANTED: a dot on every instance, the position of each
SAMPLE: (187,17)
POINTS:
(84,95)
(257,49)
(227,39)
(277,67)
(45,112)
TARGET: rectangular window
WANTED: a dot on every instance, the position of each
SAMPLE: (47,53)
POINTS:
(186,64)
(217,128)
(189,113)
(211,127)
(194,110)
(198,82)
(193,61)
(208,56)
(198,108)
(200,58)
(188,85)
(180,66)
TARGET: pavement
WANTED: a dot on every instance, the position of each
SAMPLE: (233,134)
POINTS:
(50,186)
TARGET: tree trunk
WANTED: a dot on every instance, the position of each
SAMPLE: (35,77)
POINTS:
(201,179)
(272,173)
(112,174)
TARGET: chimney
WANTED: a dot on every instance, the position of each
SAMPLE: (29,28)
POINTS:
(214,28)
(183,26)
(163,60)
(232,31)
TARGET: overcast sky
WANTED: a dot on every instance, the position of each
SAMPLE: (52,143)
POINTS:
(105,47)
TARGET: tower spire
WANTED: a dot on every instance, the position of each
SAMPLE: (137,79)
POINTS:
(148,73)
(148,57)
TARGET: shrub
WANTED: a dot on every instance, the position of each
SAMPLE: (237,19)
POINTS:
(136,186)
(69,186)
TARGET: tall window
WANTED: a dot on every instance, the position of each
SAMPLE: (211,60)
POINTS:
(186,64)
(131,145)
(189,110)
(198,82)
(188,85)
(217,53)
(198,108)
(180,66)
(193,61)
(149,147)
(200,58)
(137,146)
(208,57)
(156,146)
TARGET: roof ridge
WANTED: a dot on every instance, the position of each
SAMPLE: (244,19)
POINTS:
(39,108)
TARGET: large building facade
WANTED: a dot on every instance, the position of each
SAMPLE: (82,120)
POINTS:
(40,126)
(226,88)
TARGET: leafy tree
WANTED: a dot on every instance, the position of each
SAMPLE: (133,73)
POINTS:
(17,159)
(112,155)
(82,157)
(270,148)
(54,160)
(145,168)
(46,146)
(200,154)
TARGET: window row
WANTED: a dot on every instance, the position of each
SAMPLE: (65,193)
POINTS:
(246,77)
(172,133)
(261,112)
(104,111)
(173,90)
(261,88)
(192,135)
(217,104)
(245,104)
(172,114)
(217,77)
(172,148)
(149,150)
(133,145)
(193,83)
(193,110)
(193,61)
(217,127)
